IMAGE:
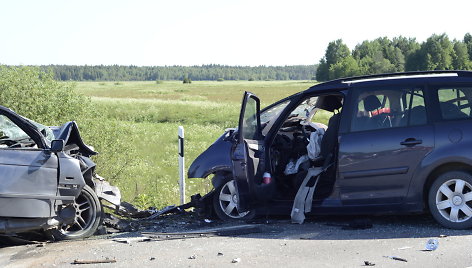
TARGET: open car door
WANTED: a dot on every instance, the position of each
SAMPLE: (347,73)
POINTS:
(248,151)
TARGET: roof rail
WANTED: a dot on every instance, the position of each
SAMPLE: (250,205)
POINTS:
(347,79)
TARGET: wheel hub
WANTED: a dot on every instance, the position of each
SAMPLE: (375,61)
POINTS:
(457,200)
(235,199)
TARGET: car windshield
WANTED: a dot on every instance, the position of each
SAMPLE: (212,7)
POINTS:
(272,112)
(10,134)
(303,110)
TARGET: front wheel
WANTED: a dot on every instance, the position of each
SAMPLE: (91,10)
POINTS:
(225,202)
(87,218)
(450,200)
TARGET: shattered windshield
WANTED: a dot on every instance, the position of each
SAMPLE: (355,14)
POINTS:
(11,134)
(45,130)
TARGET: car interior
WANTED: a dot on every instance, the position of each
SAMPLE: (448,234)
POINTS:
(303,142)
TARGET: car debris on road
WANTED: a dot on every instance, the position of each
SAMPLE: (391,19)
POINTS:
(396,258)
(94,261)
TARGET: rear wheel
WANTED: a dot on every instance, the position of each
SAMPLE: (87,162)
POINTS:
(87,217)
(450,200)
(225,202)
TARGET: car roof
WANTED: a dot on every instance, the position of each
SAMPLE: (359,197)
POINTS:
(404,77)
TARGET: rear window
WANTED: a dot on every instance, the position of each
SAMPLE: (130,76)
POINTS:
(454,102)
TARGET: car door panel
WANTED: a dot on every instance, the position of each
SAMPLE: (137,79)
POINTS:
(375,167)
(28,180)
(28,175)
(247,151)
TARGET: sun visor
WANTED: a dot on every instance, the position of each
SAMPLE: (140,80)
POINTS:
(329,103)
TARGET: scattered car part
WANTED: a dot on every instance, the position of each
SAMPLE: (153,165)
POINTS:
(221,231)
(432,244)
(107,260)
(396,258)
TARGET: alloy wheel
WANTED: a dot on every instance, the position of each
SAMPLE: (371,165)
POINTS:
(228,200)
(454,200)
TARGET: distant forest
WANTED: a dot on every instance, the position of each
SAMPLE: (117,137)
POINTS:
(383,55)
(204,72)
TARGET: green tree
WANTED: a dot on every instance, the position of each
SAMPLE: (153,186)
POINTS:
(468,43)
(346,67)
(437,53)
(322,73)
(336,52)
(186,79)
(460,58)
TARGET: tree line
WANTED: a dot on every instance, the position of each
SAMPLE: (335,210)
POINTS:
(195,73)
(399,54)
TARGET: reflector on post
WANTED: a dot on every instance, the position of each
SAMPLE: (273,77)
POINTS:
(181,165)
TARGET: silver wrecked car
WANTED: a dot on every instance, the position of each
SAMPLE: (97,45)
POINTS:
(48,181)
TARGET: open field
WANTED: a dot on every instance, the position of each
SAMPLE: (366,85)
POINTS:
(146,116)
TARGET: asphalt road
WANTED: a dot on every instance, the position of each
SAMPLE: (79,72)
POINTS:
(319,242)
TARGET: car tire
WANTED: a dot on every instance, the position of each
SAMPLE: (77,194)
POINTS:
(224,203)
(450,200)
(88,217)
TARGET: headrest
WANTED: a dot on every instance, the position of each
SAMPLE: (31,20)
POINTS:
(371,103)
(329,103)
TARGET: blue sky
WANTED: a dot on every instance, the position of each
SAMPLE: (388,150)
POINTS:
(190,32)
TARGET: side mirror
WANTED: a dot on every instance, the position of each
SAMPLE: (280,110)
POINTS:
(229,134)
(57,146)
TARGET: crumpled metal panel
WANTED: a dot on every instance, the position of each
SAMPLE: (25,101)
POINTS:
(107,192)
(69,132)
(71,180)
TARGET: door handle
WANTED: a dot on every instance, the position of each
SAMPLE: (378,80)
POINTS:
(411,142)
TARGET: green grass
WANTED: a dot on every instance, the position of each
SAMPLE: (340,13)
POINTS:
(145,117)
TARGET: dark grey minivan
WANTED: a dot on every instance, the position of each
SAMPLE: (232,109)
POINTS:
(394,143)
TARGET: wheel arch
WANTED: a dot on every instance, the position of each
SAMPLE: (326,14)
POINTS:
(441,169)
(220,177)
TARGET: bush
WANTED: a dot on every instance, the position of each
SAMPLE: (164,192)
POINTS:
(220,79)
(187,80)
(36,95)
(159,82)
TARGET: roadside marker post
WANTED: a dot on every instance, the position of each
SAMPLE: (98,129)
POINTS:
(181,165)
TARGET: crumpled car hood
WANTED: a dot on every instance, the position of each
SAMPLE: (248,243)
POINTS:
(69,132)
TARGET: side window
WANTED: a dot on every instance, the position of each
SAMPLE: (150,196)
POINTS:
(12,136)
(387,108)
(454,102)
(415,112)
(250,127)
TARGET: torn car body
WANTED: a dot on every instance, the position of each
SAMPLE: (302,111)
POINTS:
(47,179)
(393,144)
